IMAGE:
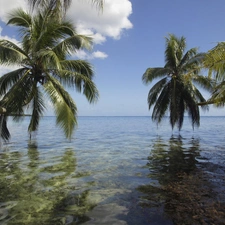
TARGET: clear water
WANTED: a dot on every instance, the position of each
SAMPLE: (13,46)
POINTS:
(93,178)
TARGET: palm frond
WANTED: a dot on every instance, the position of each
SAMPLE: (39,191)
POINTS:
(192,108)
(18,17)
(90,91)
(200,99)
(215,61)
(10,53)
(174,51)
(218,95)
(190,58)
(161,104)
(81,83)
(155,91)
(98,3)
(79,66)
(18,96)
(204,82)
(175,101)
(72,44)
(153,73)
(65,108)
(61,5)
(79,74)
(50,59)
(9,79)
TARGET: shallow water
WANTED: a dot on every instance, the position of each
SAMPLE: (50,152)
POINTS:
(94,178)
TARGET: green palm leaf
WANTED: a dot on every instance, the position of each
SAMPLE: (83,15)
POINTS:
(18,96)
(9,79)
(50,59)
(72,44)
(155,91)
(161,104)
(20,18)
(215,61)
(10,53)
(61,5)
(65,108)
(153,73)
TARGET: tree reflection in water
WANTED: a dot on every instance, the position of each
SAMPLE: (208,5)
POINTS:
(167,163)
(34,190)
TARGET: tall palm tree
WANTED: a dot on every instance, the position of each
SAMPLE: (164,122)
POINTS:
(44,69)
(176,92)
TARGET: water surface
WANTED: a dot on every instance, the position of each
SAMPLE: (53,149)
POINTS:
(94,178)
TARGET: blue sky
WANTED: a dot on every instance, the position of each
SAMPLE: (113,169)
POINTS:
(129,38)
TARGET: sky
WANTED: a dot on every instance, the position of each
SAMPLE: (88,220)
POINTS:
(129,37)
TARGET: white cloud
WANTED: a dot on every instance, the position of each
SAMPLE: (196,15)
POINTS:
(111,22)
(99,54)
(100,25)
(81,54)
(7,5)
(97,37)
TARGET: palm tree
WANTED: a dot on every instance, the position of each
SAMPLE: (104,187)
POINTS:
(45,69)
(176,92)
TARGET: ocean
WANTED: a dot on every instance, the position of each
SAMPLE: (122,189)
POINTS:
(94,178)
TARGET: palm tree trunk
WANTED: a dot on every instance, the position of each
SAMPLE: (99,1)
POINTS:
(1,122)
(207,103)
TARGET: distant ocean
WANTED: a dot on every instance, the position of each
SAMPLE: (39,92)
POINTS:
(106,157)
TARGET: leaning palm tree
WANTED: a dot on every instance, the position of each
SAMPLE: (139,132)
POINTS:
(176,92)
(44,69)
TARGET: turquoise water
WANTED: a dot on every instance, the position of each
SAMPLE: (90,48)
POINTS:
(93,178)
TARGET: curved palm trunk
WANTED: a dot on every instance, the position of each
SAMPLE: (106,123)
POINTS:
(1,122)
(207,103)
(4,132)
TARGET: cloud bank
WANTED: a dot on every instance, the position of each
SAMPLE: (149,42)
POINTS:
(112,22)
